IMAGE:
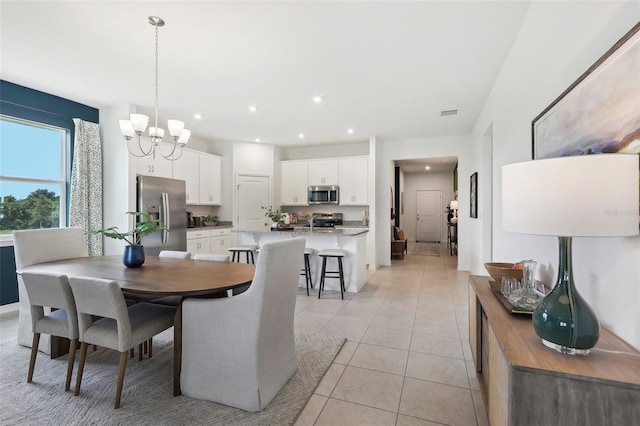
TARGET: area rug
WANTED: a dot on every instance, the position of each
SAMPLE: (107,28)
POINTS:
(147,396)
(426,249)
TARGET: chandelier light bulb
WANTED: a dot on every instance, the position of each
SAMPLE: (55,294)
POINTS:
(184,137)
(175,128)
(139,123)
(127,129)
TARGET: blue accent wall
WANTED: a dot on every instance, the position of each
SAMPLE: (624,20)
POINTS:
(29,104)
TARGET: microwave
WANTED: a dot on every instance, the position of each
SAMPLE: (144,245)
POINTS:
(324,195)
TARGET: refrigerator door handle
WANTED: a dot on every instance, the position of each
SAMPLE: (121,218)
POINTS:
(165,217)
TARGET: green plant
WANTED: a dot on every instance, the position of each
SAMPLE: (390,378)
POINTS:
(275,215)
(210,219)
(142,228)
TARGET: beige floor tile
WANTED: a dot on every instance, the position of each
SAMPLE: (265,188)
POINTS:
(371,388)
(448,371)
(330,379)
(472,376)
(379,358)
(354,316)
(403,321)
(435,328)
(481,413)
(440,313)
(387,337)
(324,306)
(436,345)
(345,354)
(363,304)
(398,307)
(437,403)
(311,411)
(343,413)
(351,331)
(413,421)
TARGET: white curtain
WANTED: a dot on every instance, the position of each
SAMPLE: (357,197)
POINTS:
(85,208)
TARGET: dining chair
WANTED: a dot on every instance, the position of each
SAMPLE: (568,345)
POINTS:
(38,246)
(212,257)
(51,291)
(120,329)
(240,351)
(175,254)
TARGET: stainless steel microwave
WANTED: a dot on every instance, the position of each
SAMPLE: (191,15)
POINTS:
(324,195)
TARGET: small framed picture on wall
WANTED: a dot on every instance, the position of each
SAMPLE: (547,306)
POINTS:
(473,195)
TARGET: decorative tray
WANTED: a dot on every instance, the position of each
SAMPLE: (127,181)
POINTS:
(515,310)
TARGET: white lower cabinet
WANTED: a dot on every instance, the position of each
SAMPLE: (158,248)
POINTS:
(209,241)
(220,241)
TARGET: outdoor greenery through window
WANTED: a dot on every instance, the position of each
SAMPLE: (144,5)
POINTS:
(32,176)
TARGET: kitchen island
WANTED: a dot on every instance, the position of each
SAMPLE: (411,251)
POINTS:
(352,240)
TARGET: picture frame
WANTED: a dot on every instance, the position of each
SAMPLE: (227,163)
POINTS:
(597,113)
(473,196)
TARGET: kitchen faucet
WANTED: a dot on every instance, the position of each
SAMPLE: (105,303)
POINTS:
(311,222)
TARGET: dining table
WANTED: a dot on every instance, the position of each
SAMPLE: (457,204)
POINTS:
(158,277)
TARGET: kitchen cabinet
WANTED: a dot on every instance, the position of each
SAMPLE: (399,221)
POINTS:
(210,190)
(185,169)
(152,165)
(323,172)
(293,188)
(353,176)
(199,242)
(220,241)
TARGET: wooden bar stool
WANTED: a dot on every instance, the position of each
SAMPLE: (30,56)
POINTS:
(306,271)
(247,249)
(335,254)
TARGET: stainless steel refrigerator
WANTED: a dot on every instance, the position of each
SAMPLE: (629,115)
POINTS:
(164,199)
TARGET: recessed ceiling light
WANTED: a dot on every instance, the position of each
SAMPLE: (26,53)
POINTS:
(197,116)
(448,112)
(257,139)
(253,108)
(317,99)
(350,131)
(427,168)
(301,135)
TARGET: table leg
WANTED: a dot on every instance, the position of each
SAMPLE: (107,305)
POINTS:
(177,351)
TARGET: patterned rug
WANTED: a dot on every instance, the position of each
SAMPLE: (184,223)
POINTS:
(147,396)
(426,249)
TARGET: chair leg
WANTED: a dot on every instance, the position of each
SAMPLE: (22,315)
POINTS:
(342,289)
(123,365)
(324,268)
(72,356)
(139,353)
(308,262)
(253,260)
(83,357)
(34,352)
(150,347)
(132,352)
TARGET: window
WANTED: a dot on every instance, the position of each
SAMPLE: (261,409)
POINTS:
(33,177)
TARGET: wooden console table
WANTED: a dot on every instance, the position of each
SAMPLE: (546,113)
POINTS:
(526,383)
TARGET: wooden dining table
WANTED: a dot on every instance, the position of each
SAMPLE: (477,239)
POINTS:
(158,277)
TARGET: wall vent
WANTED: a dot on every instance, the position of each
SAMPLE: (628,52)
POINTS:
(448,112)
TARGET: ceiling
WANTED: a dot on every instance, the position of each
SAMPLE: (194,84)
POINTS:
(384,68)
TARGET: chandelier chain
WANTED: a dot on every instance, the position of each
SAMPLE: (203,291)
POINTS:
(157,96)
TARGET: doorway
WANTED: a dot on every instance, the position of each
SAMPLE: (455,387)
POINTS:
(252,194)
(429,215)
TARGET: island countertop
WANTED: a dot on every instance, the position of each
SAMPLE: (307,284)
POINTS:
(304,231)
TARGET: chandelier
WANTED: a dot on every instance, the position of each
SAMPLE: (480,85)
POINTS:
(137,123)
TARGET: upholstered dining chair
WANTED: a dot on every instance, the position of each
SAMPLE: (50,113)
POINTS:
(121,328)
(175,254)
(52,291)
(38,246)
(240,351)
(212,257)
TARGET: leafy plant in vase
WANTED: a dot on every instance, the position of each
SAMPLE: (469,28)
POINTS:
(275,215)
(134,251)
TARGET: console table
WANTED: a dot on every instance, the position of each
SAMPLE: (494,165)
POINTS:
(524,382)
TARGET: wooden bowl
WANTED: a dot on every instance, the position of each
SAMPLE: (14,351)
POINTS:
(497,270)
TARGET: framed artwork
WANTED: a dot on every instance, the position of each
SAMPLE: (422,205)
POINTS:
(599,112)
(473,198)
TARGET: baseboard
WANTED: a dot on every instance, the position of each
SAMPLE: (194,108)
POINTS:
(9,307)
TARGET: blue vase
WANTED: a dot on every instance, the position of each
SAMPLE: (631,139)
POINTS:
(133,256)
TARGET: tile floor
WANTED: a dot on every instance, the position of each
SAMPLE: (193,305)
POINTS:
(407,360)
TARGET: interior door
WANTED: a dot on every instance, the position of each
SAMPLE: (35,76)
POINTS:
(252,194)
(428,215)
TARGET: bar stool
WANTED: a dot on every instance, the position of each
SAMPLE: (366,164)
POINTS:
(306,271)
(246,249)
(336,254)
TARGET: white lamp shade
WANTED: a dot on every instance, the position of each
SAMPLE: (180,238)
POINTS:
(583,196)
(184,137)
(175,127)
(156,132)
(453,205)
(139,122)
(126,128)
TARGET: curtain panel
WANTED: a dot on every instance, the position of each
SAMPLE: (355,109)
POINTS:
(85,209)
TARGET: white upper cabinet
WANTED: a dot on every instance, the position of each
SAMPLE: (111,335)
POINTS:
(151,165)
(354,181)
(293,188)
(186,169)
(323,172)
(210,190)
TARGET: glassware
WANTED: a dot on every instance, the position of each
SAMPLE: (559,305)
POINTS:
(509,285)
(526,297)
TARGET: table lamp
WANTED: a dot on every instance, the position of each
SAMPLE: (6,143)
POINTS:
(582,196)
(454,206)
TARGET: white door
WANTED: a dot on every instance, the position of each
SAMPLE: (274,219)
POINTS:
(252,194)
(428,215)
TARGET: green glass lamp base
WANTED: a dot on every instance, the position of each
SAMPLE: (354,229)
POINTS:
(563,319)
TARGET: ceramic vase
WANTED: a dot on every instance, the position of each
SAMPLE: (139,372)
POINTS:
(133,256)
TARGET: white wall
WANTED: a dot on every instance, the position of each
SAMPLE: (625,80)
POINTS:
(557,43)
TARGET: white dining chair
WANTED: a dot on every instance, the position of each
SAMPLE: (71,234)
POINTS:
(121,328)
(175,254)
(240,351)
(213,257)
(38,246)
(52,291)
